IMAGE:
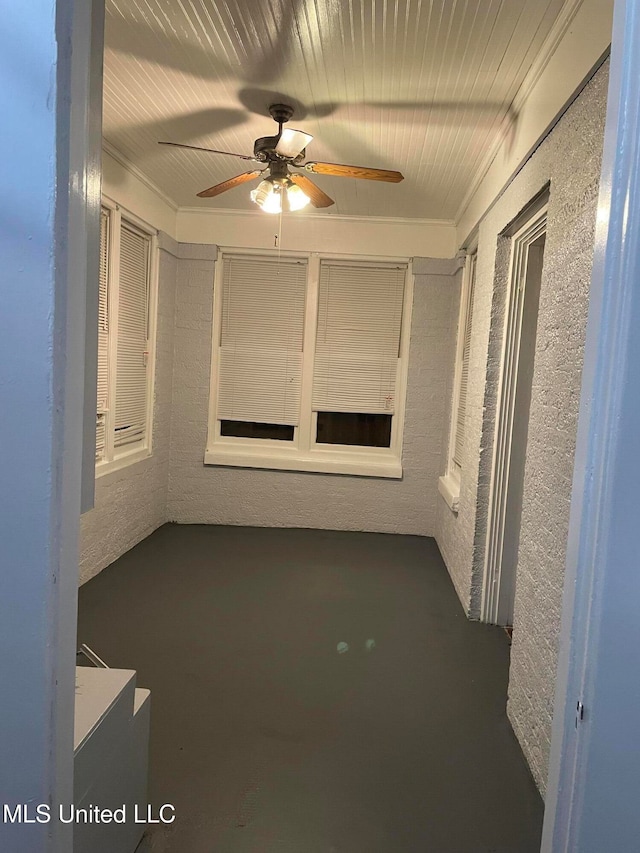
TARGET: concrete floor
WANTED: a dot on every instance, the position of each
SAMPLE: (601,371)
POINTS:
(314,692)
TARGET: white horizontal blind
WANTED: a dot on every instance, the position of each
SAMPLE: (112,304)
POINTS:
(358,337)
(461,416)
(103,335)
(133,309)
(260,354)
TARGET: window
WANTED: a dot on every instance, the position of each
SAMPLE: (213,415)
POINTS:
(309,363)
(126,335)
(449,485)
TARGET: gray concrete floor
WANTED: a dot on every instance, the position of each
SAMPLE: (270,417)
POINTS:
(314,692)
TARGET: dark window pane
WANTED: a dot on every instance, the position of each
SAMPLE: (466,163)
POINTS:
(244,429)
(354,428)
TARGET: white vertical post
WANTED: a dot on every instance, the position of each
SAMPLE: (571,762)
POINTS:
(594,781)
(44,52)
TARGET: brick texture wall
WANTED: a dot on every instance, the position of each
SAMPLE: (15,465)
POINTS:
(569,158)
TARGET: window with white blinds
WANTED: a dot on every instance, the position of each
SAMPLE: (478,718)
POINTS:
(103,337)
(261,337)
(358,338)
(309,363)
(133,305)
(460,413)
(125,332)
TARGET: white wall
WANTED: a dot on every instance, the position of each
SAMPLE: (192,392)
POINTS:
(241,496)
(308,231)
(592,802)
(129,187)
(570,159)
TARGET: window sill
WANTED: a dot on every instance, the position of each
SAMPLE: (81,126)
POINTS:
(121,462)
(320,462)
(449,490)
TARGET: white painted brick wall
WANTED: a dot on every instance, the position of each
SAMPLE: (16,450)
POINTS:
(570,157)
(131,503)
(218,495)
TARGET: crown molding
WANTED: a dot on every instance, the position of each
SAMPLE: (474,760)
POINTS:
(333,217)
(120,158)
(542,59)
(548,49)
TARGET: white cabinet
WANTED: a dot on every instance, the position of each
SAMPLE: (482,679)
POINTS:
(111,743)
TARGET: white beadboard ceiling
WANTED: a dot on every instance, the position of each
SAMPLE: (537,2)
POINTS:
(422,86)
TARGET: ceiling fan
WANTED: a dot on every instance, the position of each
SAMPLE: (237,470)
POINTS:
(283,189)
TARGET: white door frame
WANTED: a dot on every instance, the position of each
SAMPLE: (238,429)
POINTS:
(593,795)
(492,604)
(49,190)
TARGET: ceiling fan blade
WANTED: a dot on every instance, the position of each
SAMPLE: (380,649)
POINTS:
(211,150)
(230,184)
(292,142)
(343,171)
(317,197)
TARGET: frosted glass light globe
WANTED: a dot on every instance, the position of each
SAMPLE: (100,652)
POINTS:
(266,197)
(297,198)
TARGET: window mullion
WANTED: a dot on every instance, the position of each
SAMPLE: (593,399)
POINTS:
(152,325)
(464,318)
(214,431)
(113,297)
(305,433)
(397,423)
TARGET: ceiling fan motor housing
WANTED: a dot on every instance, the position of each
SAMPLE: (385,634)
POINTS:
(280,112)
(278,168)
(264,147)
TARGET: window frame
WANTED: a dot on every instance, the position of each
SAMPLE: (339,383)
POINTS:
(449,483)
(116,459)
(304,453)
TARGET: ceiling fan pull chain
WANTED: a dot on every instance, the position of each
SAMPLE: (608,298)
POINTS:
(279,236)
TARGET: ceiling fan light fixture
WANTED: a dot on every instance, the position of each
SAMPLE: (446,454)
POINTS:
(268,195)
(297,198)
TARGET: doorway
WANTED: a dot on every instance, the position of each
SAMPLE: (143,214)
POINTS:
(512,418)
